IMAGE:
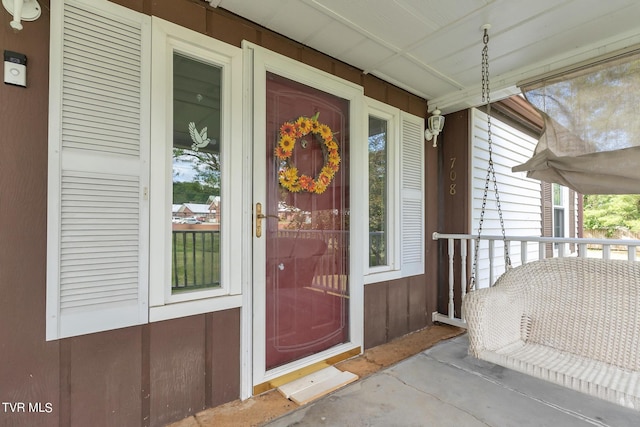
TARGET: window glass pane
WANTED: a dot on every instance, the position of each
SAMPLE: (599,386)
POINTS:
(378,176)
(558,222)
(557,195)
(195,256)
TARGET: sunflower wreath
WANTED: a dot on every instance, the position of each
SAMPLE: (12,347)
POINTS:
(288,175)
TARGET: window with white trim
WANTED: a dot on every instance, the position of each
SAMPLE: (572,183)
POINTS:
(110,243)
(395,243)
(560,195)
(195,165)
(558,210)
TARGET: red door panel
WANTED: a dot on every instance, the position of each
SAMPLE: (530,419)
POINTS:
(307,298)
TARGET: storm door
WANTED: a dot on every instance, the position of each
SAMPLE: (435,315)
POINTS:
(302,222)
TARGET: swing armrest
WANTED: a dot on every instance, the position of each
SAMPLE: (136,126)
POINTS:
(494,321)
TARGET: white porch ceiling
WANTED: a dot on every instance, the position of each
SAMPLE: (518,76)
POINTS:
(432,48)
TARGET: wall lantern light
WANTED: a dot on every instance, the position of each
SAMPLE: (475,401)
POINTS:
(22,10)
(435,123)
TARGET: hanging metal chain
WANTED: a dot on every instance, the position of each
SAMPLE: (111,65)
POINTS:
(491,173)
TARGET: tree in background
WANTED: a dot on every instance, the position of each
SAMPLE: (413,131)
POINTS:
(612,212)
(192,192)
(203,179)
(378,226)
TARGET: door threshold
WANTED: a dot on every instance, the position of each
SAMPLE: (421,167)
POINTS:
(303,372)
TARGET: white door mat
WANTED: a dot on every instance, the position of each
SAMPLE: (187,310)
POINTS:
(317,384)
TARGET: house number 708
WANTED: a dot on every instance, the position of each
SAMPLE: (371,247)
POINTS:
(452,177)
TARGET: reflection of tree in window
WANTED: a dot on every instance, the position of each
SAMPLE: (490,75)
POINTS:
(377,192)
(196,92)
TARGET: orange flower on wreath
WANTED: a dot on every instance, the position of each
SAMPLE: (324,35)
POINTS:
(288,128)
(288,174)
(307,183)
(282,154)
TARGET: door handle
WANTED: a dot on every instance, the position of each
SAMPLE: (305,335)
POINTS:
(259,217)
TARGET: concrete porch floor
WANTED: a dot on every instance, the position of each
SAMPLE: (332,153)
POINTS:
(439,386)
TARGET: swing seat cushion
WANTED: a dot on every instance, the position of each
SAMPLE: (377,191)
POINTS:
(571,321)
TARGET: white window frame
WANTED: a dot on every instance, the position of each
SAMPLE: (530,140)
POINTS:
(406,194)
(168,38)
(564,206)
(392,270)
(561,206)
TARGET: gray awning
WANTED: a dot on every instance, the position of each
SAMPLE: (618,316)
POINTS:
(591,139)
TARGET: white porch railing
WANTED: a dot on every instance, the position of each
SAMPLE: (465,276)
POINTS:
(522,249)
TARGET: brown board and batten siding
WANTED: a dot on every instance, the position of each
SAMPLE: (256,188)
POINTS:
(160,372)
(453,179)
(29,366)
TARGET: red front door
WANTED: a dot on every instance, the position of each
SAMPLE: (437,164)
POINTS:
(306,228)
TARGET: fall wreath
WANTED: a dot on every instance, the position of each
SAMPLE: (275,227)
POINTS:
(288,175)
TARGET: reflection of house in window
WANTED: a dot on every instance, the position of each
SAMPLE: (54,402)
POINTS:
(205,212)
(175,210)
(214,209)
(291,217)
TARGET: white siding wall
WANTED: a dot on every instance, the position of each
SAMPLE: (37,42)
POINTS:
(520,197)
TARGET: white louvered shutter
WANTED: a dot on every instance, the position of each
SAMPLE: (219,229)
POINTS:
(97,252)
(412,195)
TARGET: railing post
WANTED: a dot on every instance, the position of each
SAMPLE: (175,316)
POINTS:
(523,251)
(582,250)
(507,250)
(491,257)
(463,271)
(451,249)
(184,259)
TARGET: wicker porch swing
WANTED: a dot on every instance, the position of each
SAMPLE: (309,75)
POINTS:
(571,321)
